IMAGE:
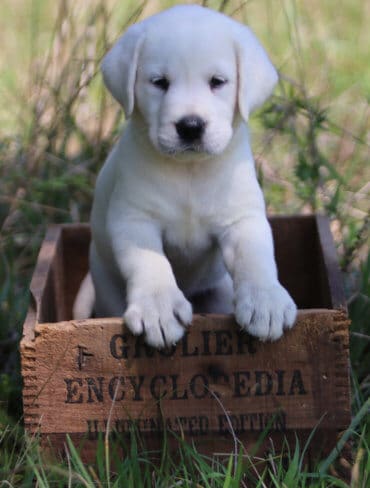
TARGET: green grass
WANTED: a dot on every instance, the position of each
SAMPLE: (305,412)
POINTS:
(311,142)
(130,464)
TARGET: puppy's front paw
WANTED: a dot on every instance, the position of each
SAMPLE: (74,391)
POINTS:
(160,315)
(264,312)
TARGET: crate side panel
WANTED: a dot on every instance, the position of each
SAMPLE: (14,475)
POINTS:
(330,275)
(44,283)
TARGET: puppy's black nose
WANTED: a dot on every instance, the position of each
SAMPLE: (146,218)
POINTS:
(190,128)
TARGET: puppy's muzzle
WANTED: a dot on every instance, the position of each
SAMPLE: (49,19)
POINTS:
(190,128)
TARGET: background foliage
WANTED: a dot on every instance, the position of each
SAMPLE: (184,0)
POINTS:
(57,123)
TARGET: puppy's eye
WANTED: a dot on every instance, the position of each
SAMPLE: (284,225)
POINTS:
(160,82)
(217,82)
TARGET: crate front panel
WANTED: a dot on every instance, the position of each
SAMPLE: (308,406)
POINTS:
(89,376)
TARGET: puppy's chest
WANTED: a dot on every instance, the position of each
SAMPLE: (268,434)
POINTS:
(186,212)
(188,231)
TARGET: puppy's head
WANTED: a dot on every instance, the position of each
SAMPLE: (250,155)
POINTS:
(189,71)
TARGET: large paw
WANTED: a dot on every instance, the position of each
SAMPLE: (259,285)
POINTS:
(160,315)
(264,312)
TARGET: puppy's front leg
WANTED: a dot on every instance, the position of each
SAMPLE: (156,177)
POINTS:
(262,306)
(155,304)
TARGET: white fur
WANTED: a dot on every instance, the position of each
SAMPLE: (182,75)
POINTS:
(171,220)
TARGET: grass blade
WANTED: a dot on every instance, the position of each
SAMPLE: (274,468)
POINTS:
(364,410)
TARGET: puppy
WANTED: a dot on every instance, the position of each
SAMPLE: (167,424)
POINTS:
(178,212)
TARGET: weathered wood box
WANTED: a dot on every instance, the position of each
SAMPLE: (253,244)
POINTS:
(84,377)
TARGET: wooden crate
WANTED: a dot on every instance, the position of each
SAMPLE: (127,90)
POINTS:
(84,377)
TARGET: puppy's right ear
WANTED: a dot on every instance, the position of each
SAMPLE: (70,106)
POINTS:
(119,67)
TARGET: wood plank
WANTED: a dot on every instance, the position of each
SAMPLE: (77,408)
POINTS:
(89,371)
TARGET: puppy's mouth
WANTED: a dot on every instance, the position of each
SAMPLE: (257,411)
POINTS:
(178,149)
(198,150)
(192,148)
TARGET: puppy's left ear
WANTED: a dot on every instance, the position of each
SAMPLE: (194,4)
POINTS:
(119,66)
(257,76)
